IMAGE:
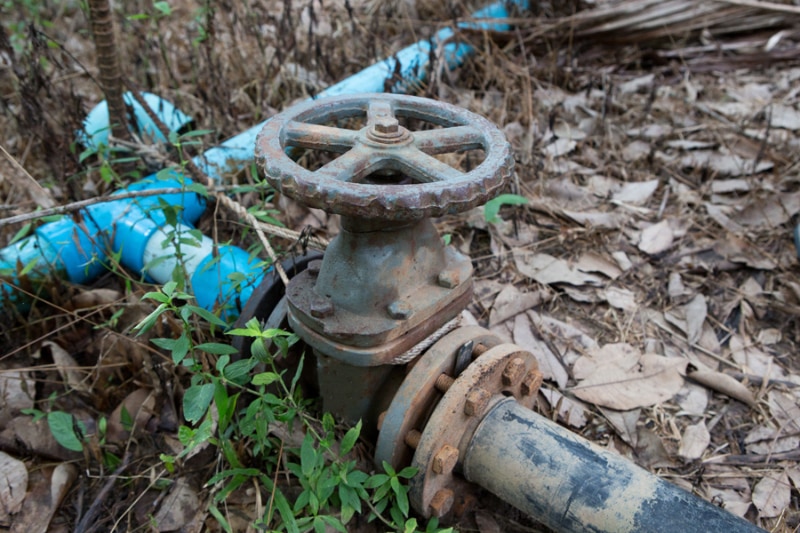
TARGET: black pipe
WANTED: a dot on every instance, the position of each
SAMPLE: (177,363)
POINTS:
(570,484)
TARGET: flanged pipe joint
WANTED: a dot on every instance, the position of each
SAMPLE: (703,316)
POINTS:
(377,311)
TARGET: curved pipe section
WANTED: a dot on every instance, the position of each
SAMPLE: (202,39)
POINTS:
(572,485)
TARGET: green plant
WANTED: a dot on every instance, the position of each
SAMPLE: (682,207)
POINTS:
(492,208)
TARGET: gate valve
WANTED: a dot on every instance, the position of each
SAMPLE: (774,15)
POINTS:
(387,281)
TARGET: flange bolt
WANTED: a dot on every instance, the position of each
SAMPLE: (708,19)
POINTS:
(442,502)
(476,401)
(513,372)
(445,459)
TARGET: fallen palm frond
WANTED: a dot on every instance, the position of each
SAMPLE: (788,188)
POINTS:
(751,28)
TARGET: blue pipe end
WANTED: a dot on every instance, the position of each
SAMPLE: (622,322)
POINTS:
(96,127)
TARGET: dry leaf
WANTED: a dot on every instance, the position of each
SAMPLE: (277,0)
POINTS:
(16,390)
(764,440)
(47,488)
(771,495)
(178,507)
(595,219)
(694,441)
(569,411)
(594,262)
(568,339)
(618,376)
(770,212)
(723,162)
(719,382)
(689,318)
(753,359)
(636,193)
(547,269)
(140,408)
(656,238)
(692,399)
(67,367)
(559,148)
(511,302)
(635,151)
(624,422)
(620,298)
(730,500)
(785,408)
(549,364)
(13,486)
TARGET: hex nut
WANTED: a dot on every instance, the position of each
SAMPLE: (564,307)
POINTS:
(449,279)
(386,125)
(321,308)
(399,310)
(445,460)
(513,372)
(442,502)
(531,382)
(476,401)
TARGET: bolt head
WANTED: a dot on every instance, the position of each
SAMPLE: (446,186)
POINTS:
(321,309)
(531,383)
(513,372)
(445,459)
(449,279)
(314,267)
(476,401)
(399,310)
(442,502)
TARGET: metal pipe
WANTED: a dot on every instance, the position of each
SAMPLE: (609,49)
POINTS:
(77,251)
(570,484)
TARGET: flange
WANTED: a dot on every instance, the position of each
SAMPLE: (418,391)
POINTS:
(504,370)
(422,388)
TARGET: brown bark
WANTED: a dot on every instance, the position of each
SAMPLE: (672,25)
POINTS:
(108,65)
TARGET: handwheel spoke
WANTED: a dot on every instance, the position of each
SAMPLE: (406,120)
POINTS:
(348,167)
(425,168)
(448,140)
(316,137)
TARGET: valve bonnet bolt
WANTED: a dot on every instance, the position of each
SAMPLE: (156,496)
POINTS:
(321,309)
(442,502)
(449,279)
(314,267)
(445,459)
(476,401)
(532,382)
(399,310)
(513,372)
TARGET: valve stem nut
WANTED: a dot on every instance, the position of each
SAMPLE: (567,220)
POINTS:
(442,502)
(449,279)
(386,124)
(399,310)
(513,372)
(445,459)
(476,401)
(531,383)
(321,308)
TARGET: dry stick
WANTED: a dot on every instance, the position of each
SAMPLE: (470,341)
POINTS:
(108,66)
(231,204)
(39,194)
(90,515)
(77,206)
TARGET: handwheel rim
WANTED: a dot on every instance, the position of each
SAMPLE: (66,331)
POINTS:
(449,190)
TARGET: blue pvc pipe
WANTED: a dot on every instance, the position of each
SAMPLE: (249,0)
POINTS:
(76,250)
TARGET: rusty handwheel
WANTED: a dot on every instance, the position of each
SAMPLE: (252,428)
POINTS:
(355,184)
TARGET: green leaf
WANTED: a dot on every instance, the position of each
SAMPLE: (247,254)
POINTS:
(207,315)
(350,439)
(63,430)
(492,207)
(265,378)
(163,7)
(238,371)
(21,233)
(196,401)
(217,348)
(221,519)
(157,296)
(308,455)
